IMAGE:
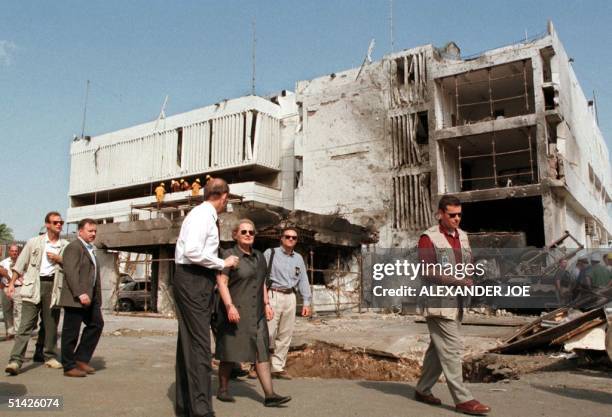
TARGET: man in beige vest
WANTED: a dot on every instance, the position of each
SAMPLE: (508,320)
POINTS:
(445,244)
(40,266)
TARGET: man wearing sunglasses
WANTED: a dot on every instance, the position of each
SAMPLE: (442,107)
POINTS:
(39,265)
(445,243)
(287,272)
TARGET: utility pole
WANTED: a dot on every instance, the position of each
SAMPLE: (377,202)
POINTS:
(391,25)
(162,114)
(85,110)
(254,46)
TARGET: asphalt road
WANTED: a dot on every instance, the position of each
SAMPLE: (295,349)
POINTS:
(136,378)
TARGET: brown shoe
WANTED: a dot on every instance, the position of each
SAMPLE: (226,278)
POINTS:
(76,373)
(473,407)
(427,398)
(252,373)
(85,367)
(281,375)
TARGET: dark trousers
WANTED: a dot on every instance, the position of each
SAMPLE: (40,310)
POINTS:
(94,323)
(193,294)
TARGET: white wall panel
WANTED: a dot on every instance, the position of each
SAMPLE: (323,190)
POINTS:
(125,162)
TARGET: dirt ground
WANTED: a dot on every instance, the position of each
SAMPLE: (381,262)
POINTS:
(136,357)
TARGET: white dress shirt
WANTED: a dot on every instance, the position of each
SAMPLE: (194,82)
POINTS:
(198,241)
(90,249)
(47,268)
(8,264)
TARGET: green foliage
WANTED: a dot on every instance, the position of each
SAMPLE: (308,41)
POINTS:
(6,234)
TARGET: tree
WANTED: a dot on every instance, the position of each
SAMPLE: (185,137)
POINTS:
(6,234)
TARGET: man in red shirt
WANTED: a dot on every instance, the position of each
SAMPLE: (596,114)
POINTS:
(445,243)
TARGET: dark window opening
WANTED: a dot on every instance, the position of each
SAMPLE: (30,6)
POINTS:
(179,146)
(400,70)
(552,133)
(210,142)
(253,129)
(547,54)
(422,136)
(244,136)
(501,216)
(549,97)
(326,258)
(299,166)
(499,113)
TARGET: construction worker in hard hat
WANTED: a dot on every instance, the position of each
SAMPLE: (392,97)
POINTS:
(175,186)
(184,185)
(160,192)
(196,187)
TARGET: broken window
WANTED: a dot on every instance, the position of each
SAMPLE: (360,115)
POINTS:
(299,166)
(408,133)
(410,79)
(486,94)
(179,146)
(499,159)
(549,97)
(412,202)
(547,54)
(422,132)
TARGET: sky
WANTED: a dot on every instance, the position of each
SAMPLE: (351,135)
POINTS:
(199,52)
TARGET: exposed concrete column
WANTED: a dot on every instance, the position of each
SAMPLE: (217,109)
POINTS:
(541,127)
(165,270)
(109,278)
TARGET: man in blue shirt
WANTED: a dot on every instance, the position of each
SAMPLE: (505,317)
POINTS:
(287,273)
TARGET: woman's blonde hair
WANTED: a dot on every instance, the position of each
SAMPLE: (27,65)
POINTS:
(240,222)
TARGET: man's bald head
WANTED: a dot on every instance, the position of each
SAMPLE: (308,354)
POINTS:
(215,189)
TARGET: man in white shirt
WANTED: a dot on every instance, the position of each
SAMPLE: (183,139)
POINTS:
(11,308)
(38,264)
(197,264)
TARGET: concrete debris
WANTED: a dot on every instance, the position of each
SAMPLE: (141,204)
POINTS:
(557,328)
(593,339)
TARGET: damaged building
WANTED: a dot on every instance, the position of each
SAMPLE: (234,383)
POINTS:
(358,159)
(509,132)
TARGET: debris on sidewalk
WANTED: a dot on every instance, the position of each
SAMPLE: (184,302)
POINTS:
(578,326)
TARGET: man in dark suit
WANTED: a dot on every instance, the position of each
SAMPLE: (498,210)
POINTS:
(81,298)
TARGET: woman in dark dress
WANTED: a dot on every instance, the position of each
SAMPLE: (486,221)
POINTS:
(242,330)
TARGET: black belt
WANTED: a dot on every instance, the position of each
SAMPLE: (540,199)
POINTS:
(47,277)
(283,290)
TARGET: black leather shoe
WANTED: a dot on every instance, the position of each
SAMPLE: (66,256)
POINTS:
(276,400)
(38,357)
(225,397)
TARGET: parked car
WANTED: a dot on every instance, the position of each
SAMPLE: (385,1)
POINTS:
(133,295)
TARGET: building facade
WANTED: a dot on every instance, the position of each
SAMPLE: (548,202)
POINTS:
(509,132)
